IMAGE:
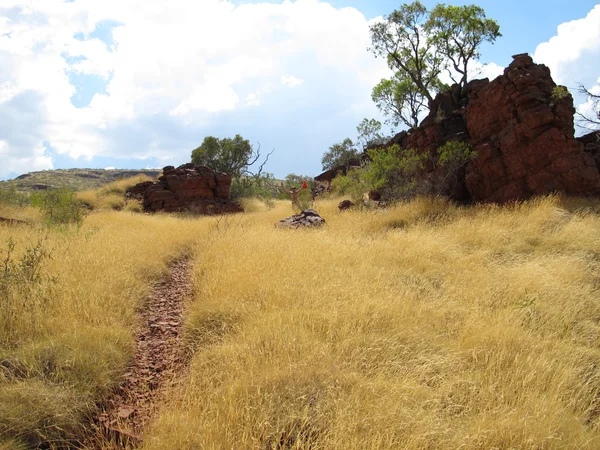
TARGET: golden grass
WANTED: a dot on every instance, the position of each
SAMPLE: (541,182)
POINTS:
(422,326)
(66,354)
(110,196)
(27,214)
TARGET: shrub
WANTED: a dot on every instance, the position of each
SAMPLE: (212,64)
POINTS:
(452,156)
(559,92)
(261,186)
(392,172)
(13,197)
(305,200)
(397,173)
(60,207)
(23,290)
(352,184)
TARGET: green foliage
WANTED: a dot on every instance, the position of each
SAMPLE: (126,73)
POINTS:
(262,186)
(403,41)
(458,32)
(305,200)
(392,172)
(231,156)
(23,290)
(295,181)
(559,92)
(59,206)
(352,184)
(418,45)
(339,154)
(11,196)
(369,133)
(399,100)
(454,154)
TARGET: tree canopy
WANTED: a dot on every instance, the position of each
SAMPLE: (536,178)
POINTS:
(369,132)
(419,45)
(231,156)
(343,153)
(340,154)
(458,32)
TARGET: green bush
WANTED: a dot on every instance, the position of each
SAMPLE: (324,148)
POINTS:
(259,186)
(13,197)
(60,207)
(352,184)
(397,173)
(559,92)
(452,156)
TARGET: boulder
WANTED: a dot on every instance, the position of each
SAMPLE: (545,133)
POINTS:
(189,187)
(308,218)
(345,204)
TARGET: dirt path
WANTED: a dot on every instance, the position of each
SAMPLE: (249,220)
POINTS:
(158,361)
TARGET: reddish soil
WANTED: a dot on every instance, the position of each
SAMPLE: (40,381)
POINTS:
(159,360)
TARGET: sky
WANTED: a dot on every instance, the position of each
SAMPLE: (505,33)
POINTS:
(140,83)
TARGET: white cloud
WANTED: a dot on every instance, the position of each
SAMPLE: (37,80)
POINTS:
(192,61)
(291,81)
(573,56)
(15,162)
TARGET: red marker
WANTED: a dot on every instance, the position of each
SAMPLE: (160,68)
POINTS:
(304,185)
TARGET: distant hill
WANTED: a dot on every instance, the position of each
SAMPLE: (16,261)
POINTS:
(76,179)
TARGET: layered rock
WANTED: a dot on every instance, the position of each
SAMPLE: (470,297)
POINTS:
(521,126)
(189,187)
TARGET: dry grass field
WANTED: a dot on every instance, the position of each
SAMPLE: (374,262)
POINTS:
(422,326)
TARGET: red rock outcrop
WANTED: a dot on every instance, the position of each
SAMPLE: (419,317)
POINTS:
(189,187)
(521,126)
(522,130)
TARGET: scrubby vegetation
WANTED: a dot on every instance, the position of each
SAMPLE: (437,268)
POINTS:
(426,325)
(395,173)
(73,179)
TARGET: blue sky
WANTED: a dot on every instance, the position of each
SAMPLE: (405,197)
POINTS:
(140,83)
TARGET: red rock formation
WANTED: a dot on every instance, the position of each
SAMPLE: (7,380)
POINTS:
(189,187)
(522,130)
(524,136)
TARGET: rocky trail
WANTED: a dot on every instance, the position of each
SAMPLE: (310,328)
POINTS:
(158,362)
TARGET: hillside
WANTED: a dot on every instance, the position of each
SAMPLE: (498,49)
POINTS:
(76,179)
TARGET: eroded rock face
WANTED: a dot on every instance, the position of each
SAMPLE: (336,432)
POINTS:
(308,218)
(591,145)
(523,132)
(524,136)
(189,187)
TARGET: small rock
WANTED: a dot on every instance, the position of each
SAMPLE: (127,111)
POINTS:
(125,412)
(308,218)
(345,204)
